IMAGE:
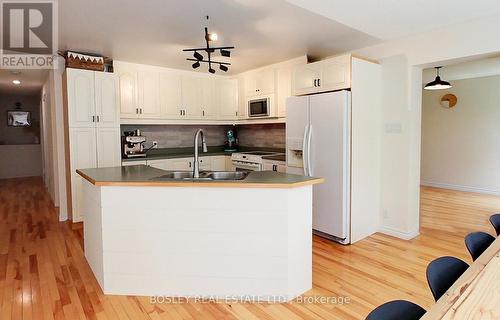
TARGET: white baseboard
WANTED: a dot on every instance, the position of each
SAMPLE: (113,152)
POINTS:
(398,233)
(459,187)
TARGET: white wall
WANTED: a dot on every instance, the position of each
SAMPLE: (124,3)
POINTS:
(402,62)
(20,161)
(461,145)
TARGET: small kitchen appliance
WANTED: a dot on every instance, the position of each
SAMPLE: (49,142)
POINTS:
(133,144)
(231,143)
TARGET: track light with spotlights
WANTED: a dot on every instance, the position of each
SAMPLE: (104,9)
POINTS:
(209,51)
(197,56)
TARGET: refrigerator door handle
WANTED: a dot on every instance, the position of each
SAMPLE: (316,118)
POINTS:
(309,138)
(304,150)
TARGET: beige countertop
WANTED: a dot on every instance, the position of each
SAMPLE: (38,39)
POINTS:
(142,175)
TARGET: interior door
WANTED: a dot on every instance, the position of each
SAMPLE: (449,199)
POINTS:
(108,147)
(148,89)
(170,95)
(329,150)
(106,99)
(297,122)
(80,87)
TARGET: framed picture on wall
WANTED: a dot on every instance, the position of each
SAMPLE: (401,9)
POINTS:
(18,118)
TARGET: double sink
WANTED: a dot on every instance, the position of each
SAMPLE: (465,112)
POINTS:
(204,176)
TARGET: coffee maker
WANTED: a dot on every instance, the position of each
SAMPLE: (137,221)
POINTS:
(133,144)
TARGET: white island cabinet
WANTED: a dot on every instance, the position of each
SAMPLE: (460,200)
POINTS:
(247,238)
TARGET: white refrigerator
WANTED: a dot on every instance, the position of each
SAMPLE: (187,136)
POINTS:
(318,144)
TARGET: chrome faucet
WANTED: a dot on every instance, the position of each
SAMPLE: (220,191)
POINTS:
(196,166)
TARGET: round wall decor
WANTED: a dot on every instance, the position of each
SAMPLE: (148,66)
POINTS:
(448,101)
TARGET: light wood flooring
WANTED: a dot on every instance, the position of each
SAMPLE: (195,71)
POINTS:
(44,275)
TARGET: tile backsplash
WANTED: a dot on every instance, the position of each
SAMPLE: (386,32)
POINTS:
(180,136)
(262,135)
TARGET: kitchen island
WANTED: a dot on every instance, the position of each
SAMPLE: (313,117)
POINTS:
(235,239)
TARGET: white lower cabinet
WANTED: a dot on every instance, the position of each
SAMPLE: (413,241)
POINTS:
(90,148)
(133,163)
(178,164)
(273,165)
(218,163)
(207,163)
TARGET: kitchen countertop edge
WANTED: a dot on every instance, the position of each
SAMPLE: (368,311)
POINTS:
(303,181)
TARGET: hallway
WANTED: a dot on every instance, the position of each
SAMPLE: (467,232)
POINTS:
(44,275)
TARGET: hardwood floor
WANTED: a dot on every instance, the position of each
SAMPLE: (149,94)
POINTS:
(44,275)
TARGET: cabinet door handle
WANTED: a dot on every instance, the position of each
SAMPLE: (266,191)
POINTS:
(180,112)
(93,118)
(190,164)
(136,110)
(203,112)
(97,118)
(315,82)
(140,110)
(319,82)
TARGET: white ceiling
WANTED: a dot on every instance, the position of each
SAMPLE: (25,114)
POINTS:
(155,31)
(31,81)
(389,19)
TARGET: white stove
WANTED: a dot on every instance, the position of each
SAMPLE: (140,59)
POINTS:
(250,161)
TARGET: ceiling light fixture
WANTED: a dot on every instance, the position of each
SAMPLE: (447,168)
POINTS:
(197,56)
(16,82)
(224,51)
(438,84)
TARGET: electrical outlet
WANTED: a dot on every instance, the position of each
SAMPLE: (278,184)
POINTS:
(155,144)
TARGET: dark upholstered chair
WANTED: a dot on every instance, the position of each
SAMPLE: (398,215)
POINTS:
(442,273)
(477,243)
(397,310)
(495,221)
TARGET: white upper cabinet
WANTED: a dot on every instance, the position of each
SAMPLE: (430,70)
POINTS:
(80,94)
(260,82)
(92,99)
(305,79)
(208,99)
(127,80)
(148,93)
(227,98)
(191,97)
(106,99)
(170,95)
(335,74)
(284,89)
(322,76)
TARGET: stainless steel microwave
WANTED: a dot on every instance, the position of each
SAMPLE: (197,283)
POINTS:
(260,107)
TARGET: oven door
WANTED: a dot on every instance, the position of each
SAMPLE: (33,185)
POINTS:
(247,166)
(259,107)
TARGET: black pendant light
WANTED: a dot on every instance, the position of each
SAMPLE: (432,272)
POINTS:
(438,84)
(224,51)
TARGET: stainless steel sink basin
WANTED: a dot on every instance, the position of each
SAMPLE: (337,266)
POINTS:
(204,175)
(227,175)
